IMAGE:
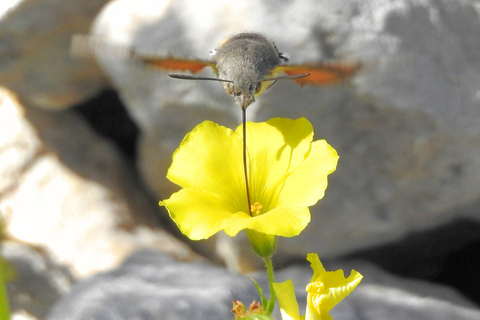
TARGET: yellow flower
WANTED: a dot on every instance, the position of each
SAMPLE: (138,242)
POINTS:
(325,290)
(287,173)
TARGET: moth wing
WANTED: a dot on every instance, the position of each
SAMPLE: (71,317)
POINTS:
(87,46)
(173,63)
(320,73)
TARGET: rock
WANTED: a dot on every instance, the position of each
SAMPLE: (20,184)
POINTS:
(406,127)
(35,58)
(150,284)
(69,191)
(37,283)
(382,295)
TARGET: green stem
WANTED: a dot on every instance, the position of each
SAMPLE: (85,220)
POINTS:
(271,280)
(4,309)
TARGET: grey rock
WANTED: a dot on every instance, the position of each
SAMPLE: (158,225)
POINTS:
(35,60)
(406,127)
(37,281)
(382,295)
(152,285)
(69,191)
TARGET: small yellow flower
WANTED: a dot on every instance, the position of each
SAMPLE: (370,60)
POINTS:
(287,174)
(325,290)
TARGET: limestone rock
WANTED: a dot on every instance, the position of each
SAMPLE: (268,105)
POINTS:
(67,190)
(35,60)
(37,282)
(150,285)
(382,295)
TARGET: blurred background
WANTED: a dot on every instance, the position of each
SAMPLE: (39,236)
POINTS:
(85,145)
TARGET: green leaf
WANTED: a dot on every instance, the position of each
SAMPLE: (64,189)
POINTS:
(263,300)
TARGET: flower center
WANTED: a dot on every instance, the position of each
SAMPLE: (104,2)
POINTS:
(317,288)
(317,293)
(256,209)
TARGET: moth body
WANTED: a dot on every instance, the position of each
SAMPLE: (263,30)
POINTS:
(246,59)
(246,64)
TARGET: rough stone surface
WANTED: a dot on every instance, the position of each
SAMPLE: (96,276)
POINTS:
(406,127)
(37,282)
(150,285)
(35,57)
(381,295)
(67,190)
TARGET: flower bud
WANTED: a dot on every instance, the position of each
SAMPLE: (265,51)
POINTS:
(263,244)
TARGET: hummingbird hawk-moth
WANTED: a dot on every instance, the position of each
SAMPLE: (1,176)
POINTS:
(246,64)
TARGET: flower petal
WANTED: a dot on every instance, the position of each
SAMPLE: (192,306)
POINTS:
(275,148)
(317,266)
(307,184)
(313,315)
(210,158)
(284,222)
(198,214)
(287,301)
(287,173)
(337,286)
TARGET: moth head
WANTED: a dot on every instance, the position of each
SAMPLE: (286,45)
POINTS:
(243,91)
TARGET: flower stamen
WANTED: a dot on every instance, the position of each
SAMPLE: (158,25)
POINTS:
(256,209)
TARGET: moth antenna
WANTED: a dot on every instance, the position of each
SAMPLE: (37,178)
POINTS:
(284,57)
(295,76)
(188,77)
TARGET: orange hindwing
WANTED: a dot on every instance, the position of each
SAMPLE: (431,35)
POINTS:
(320,73)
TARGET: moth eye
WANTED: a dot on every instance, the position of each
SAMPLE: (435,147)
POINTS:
(258,87)
(283,57)
(229,88)
(255,86)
